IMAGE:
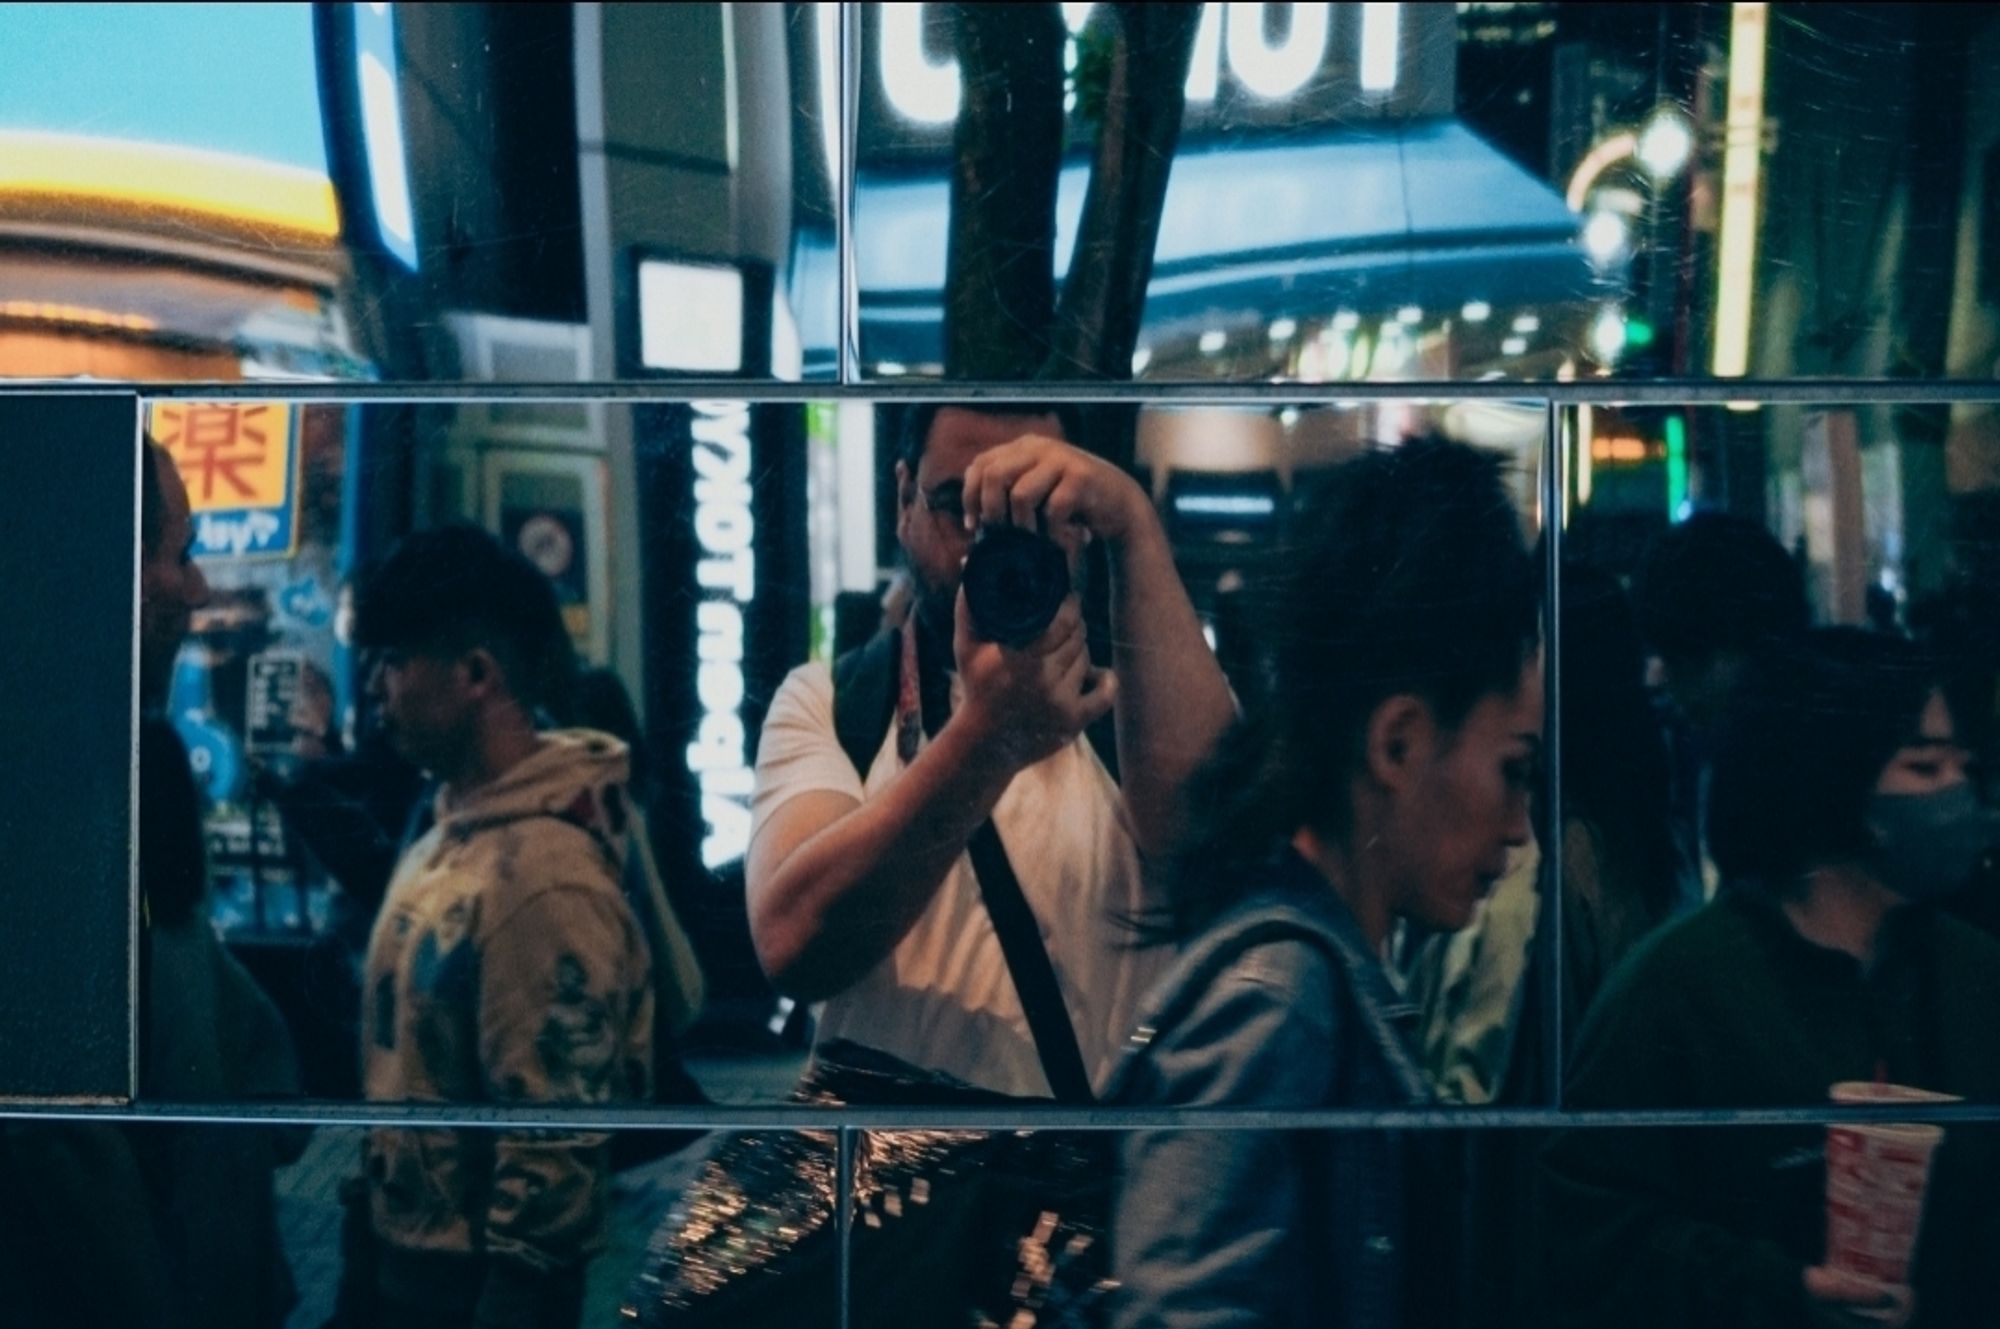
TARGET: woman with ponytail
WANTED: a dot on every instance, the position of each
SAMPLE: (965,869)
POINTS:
(1384,776)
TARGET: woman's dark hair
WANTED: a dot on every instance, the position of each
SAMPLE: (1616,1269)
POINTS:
(455,588)
(173,858)
(1615,769)
(1405,572)
(1806,734)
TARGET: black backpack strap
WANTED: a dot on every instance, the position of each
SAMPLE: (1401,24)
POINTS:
(864,698)
(866,682)
(1028,964)
(1020,937)
(1103,736)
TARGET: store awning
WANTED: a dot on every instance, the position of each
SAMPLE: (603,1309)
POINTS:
(138,300)
(1425,214)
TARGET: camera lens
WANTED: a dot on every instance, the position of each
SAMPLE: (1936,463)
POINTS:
(1015,581)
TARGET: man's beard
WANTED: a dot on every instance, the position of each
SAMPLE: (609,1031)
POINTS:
(937,620)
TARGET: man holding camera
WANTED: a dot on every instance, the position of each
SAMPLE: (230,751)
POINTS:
(862,891)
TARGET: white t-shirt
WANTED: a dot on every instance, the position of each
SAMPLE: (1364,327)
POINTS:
(943,999)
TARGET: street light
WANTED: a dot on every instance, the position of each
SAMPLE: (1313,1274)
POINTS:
(1607,335)
(1666,143)
(1606,238)
(1663,147)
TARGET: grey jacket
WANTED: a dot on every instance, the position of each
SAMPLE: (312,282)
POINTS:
(1279,1004)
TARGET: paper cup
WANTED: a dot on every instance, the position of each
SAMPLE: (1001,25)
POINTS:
(1875,1180)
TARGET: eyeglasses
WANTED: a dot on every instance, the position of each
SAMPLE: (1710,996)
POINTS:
(947,500)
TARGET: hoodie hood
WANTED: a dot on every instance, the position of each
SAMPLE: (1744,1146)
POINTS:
(577,775)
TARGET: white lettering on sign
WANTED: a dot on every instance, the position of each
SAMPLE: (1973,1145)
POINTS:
(1281,70)
(726,572)
(927,91)
(1381,46)
(234,536)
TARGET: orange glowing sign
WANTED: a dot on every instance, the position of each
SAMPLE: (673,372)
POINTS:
(239,461)
(258,197)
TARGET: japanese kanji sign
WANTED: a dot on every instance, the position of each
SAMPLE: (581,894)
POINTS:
(240,463)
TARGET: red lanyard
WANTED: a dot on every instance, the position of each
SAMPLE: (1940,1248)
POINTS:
(909,697)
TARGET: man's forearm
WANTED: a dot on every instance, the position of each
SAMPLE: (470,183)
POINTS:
(842,900)
(1173,701)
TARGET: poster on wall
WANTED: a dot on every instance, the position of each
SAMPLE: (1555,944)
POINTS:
(552,538)
(550,507)
(240,463)
(276,679)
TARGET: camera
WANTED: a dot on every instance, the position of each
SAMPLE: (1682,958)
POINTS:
(1015,580)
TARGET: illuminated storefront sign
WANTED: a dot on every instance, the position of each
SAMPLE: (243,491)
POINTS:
(240,462)
(1321,51)
(382,130)
(1326,134)
(726,572)
(1742,167)
(690,317)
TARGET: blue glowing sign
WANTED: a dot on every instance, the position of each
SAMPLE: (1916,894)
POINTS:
(382,130)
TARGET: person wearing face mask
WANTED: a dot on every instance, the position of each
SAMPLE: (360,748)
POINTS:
(1840,816)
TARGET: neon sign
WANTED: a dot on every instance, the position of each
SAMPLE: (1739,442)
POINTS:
(382,131)
(1234,37)
(726,573)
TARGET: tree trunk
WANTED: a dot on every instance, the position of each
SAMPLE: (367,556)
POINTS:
(1104,295)
(999,288)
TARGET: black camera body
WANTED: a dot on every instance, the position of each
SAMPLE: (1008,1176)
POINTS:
(1015,580)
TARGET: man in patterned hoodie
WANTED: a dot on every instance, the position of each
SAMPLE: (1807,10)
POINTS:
(505,966)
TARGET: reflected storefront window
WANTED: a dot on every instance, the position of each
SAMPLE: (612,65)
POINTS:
(566,522)
(1413,192)
(1241,192)
(1327,216)
(416,193)
(762,536)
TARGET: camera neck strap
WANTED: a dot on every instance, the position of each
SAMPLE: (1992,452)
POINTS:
(913,715)
(923,699)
